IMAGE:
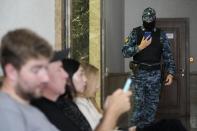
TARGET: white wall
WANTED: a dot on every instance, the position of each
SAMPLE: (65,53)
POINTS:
(164,9)
(114,35)
(37,15)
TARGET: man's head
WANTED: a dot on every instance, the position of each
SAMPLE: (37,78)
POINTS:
(20,45)
(57,75)
(24,59)
(149,18)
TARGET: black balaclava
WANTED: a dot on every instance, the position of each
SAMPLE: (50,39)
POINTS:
(149,18)
(149,26)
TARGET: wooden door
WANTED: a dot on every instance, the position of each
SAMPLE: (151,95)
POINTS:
(174,100)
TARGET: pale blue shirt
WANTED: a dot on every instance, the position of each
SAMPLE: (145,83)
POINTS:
(15,116)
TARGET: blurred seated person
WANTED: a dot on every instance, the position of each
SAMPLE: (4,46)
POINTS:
(62,111)
(24,59)
(86,101)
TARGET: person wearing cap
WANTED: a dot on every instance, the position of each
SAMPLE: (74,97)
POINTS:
(24,59)
(149,47)
(54,89)
(64,113)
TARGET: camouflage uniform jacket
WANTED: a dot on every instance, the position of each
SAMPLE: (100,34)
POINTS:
(131,48)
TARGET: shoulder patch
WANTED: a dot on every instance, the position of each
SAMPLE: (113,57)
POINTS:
(126,40)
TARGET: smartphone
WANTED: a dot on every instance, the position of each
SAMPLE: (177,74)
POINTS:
(127,85)
(147,34)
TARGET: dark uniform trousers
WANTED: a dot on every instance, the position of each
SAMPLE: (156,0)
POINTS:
(146,97)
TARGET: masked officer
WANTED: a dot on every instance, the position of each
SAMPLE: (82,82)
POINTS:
(148,46)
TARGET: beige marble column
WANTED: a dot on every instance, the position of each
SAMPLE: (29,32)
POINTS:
(59,28)
(94,34)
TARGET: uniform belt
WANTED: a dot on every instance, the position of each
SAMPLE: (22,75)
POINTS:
(156,66)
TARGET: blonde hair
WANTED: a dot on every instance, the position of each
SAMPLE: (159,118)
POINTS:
(89,71)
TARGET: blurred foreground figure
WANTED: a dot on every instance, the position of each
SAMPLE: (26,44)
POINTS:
(24,59)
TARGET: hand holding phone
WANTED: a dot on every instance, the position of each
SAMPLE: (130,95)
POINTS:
(147,34)
(127,85)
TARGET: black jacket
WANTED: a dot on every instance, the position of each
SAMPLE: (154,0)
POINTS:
(65,115)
